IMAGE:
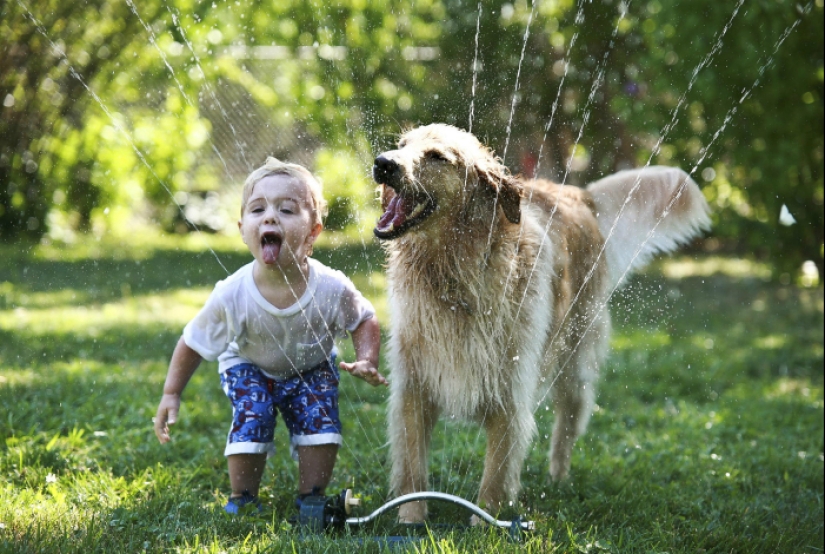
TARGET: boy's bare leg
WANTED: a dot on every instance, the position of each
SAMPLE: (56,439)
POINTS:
(315,465)
(245,472)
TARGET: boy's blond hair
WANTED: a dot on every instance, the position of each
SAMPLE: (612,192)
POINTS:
(273,166)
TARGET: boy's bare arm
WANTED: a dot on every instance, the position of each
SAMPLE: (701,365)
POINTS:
(181,368)
(367,342)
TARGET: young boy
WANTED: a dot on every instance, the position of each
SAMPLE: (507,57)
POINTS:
(271,326)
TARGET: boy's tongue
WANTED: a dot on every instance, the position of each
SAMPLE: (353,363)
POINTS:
(270,248)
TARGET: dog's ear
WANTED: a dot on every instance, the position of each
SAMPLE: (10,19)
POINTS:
(506,187)
(509,197)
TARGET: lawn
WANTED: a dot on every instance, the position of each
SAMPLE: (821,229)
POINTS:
(708,436)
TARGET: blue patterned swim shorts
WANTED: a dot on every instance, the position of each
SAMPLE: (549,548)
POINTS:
(308,403)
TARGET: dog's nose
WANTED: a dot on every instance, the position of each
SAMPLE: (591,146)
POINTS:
(385,171)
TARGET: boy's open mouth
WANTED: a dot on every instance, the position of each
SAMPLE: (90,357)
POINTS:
(270,247)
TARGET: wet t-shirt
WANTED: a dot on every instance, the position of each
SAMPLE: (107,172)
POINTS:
(238,325)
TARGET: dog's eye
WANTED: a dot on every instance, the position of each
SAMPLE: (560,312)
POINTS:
(434,155)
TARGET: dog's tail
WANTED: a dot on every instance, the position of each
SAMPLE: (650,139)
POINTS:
(642,212)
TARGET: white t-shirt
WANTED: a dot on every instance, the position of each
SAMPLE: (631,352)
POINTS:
(238,325)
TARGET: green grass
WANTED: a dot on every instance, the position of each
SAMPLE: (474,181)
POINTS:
(708,435)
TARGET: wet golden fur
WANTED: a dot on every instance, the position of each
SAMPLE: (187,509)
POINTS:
(497,299)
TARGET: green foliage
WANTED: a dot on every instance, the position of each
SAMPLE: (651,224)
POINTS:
(112,108)
(719,91)
(345,185)
(52,54)
(771,151)
(708,434)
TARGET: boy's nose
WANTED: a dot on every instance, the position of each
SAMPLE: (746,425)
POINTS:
(270,214)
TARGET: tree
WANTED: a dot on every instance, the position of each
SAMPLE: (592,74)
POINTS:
(770,152)
(606,85)
(51,54)
(114,104)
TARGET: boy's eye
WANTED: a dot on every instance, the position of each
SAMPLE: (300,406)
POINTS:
(286,211)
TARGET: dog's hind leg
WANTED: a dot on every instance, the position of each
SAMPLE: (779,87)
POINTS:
(574,395)
(412,418)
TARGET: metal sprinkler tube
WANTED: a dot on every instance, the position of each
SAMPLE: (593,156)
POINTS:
(321,512)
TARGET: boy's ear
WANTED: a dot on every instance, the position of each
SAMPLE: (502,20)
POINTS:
(313,236)
(314,233)
(240,228)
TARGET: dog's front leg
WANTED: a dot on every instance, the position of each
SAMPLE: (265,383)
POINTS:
(412,416)
(508,439)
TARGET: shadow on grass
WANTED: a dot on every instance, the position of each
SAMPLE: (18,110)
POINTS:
(117,345)
(162,270)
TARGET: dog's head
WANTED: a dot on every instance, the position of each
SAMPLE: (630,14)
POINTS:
(441,173)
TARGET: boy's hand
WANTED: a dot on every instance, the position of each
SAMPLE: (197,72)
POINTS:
(183,364)
(166,415)
(365,370)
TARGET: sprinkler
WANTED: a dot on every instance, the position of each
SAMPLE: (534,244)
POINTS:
(319,513)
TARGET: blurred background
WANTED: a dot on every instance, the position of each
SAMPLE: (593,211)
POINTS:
(127,128)
(119,115)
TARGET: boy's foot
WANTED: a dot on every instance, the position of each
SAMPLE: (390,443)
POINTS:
(243,504)
(299,501)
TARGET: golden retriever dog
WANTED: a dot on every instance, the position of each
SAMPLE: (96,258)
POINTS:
(497,296)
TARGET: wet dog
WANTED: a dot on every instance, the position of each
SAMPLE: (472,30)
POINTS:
(498,289)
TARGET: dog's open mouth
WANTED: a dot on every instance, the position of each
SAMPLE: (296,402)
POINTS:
(270,247)
(402,212)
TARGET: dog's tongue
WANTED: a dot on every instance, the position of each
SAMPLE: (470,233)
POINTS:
(395,215)
(270,251)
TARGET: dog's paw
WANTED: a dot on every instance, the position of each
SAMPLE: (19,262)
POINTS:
(475,521)
(412,513)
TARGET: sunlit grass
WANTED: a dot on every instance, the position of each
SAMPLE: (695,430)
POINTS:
(739,268)
(708,434)
(65,314)
(138,244)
